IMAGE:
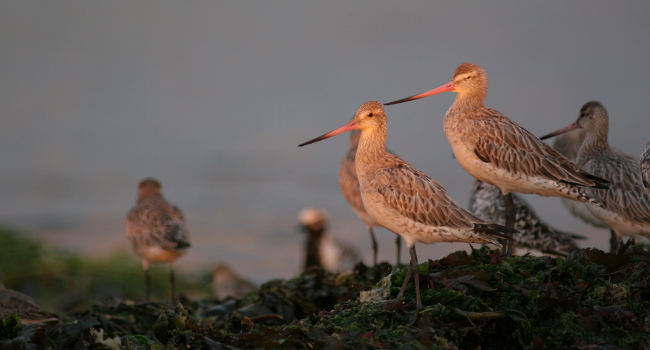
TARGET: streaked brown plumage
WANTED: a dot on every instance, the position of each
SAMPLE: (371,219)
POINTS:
(568,144)
(625,205)
(487,202)
(350,188)
(156,230)
(404,199)
(645,166)
(496,150)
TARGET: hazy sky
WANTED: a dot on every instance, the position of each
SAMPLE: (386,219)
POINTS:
(212,97)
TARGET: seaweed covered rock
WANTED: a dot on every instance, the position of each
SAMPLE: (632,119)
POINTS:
(587,300)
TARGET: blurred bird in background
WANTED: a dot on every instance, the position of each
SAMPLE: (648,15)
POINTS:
(157,231)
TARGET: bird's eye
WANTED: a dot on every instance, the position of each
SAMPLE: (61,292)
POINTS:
(468,77)
(370,114)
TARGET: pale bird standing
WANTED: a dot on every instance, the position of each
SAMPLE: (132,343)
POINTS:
(568,144)
(404,199)
(321,249)
(157,231)
(227,283)
(625,205)
(486,202)
(350,187)
(496,150)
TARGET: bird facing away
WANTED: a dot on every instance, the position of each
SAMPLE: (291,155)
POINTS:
(157,231)
(645,166)
(227,283)
(320,248)
(486,202)
(625,205)
(568,144)
(496,150)
(350,187)
(404,199)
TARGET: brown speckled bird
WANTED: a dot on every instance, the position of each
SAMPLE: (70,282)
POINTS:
(496,150)
(350,188)
(625,205)
(157,231)
(404,199)
(532,233)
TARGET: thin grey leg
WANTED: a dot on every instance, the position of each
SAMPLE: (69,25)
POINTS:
(374,246)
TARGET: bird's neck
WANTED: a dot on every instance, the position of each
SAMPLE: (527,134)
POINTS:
(469,101)
(595,142)
(372,147)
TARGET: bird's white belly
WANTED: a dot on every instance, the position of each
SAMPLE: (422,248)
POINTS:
(505,180)
(621,225)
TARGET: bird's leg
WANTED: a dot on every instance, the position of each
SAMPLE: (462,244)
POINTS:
(613,242)
(510,222)
(172,283)
(374,246)
(623,247)
(416,273)
(147,280)
(409,272)
(398,243)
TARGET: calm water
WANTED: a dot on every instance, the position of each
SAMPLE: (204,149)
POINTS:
(213,98)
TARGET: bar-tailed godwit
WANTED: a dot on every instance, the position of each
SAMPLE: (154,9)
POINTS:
(321,249)
(568,144)
(350,187)
(494,149)
(157,231)
(486,202)
(404,199)
(625,205)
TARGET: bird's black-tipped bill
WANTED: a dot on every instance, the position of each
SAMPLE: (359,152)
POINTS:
(561,131)
(347,127)
(440,89)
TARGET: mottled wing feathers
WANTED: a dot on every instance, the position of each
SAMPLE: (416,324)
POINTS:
(487,202)
(645,166)
(154,222)
(509,146)
(413,194)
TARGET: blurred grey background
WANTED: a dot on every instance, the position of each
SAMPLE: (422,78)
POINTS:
(212,97)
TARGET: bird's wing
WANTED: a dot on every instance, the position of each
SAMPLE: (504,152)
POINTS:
(412,194)
(626,195)
(153,223)
(509,146)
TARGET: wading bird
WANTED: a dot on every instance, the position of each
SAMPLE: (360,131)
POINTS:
(404,199)
(350,187)
(496,150)
(157,232)
(625,205)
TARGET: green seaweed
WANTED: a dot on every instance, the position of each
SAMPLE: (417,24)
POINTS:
(587,300)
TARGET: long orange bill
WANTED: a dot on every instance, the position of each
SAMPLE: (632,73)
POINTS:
(568,128)
(440,89)
(351,125)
